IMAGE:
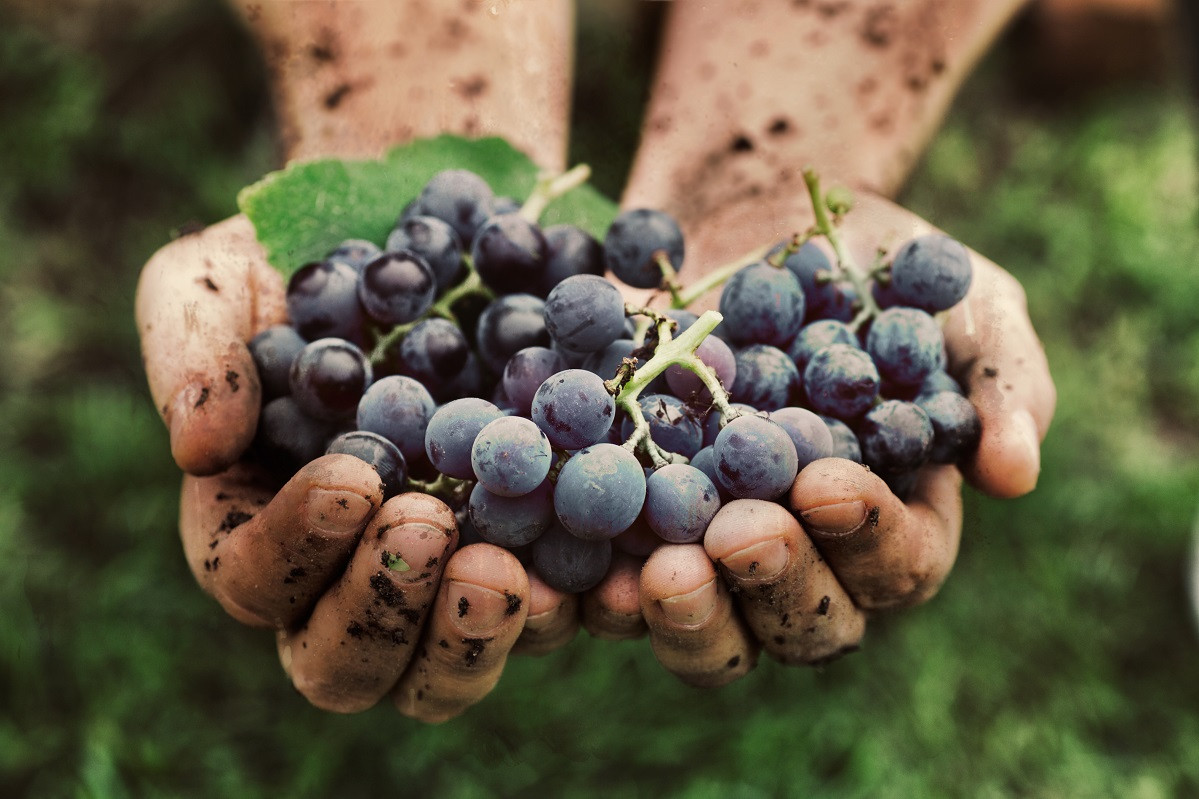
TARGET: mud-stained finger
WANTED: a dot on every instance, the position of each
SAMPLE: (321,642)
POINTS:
(553,619)
(885,553)
(267,565)
(364,629)
(479,613)
(693,627)
(787,593)
(612,610)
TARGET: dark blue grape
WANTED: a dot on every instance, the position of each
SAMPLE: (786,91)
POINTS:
(273,350)
(766,378)
(450,434)
(328,378)
(570,251)
(906,345)
(670,425)
(816,336)
(680,502)
(705,461)
(956,426)
(574,409)
(435,352)
(931,272)
(717,355)
(845,441)
(433,240)
(398,408)
(762,304)
(632,241)
(825,298)
(884,296)
(511,456)
(355,252)
(584,313)
(525,372)
(808,432)
(509,254)
(508,325)
(322,302)
(570,564)
(512,521)
(380,453)
(396,288)
(896,436)
(470,382)
(808,264)
(606,362)
(287,438)
(599,492)
(841,380)
(459,197)
(755,458)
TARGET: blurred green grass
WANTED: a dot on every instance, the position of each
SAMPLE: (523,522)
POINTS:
(1058,661)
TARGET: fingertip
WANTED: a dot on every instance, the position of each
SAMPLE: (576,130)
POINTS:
(1008,461)
(612,610)
(212,420)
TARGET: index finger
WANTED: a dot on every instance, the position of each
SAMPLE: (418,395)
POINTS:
(199,300)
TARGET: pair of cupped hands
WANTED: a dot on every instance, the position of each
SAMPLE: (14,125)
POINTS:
(311,560)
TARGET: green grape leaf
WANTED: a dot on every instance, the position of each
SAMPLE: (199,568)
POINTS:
(303,211)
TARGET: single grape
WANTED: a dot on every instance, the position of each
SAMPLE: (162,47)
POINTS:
(599,493)
(931,272)
(328,378)
(940,381)
(639,540)
(470,382)
(670,425)
(355,252)
(397,288)
(459,197)
(680,502)
(705,461)
(766,378)
(512,521)
(808,432)
(570,251)
(511,456)
(712,425)
(606,362)
(380,453)
(273,350)
(507,325)
(398,408)
(574,409)
(584,313)
(322,302)
(896,436)
(716,354)
(450,434)
(287,438)
(762,304)
(906,345)
(509,254)
(956,426)
(433,240)
(634,238)
(755,458)
(570,564)
(434,352)
(818,335)
(845,441)
(841,380)
(525,372)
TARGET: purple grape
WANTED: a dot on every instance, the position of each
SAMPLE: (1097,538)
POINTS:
(328,378)
(845,441)
(322,302)
(599,493)
(574,409)
(434,352)
(525,372)
(584,313)
(762,304)
(766,378)
(956,426)
(632,241)
(818,335)
(397,288)
(509,254)
(896,436)
(568,563)
(512,521)
(398,408)
(570,251)
(433,240)
(355,252)
(842,381)
(808,432)
(931,272)
(459,197)
(273,350)
(511,456)
(680,502)
(451,432)
(508,325)
(906,345)
(755,458)
(717,355)
(670,425)
(380,453)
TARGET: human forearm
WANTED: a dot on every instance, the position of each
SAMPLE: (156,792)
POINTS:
(353,77)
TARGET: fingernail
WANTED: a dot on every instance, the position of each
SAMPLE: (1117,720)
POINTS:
(337,512)
(692,608)
(761,561)
(477,610)
(836,519)
(420,547)
(1030,440)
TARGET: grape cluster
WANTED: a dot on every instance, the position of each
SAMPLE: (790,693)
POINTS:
(486,360)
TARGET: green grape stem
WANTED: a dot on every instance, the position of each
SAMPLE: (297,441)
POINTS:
(444,487)
(846,266)
(551,187)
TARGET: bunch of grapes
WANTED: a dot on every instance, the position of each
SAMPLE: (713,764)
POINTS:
(480,358)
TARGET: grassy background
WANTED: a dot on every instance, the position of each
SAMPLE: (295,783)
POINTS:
(1059,660)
